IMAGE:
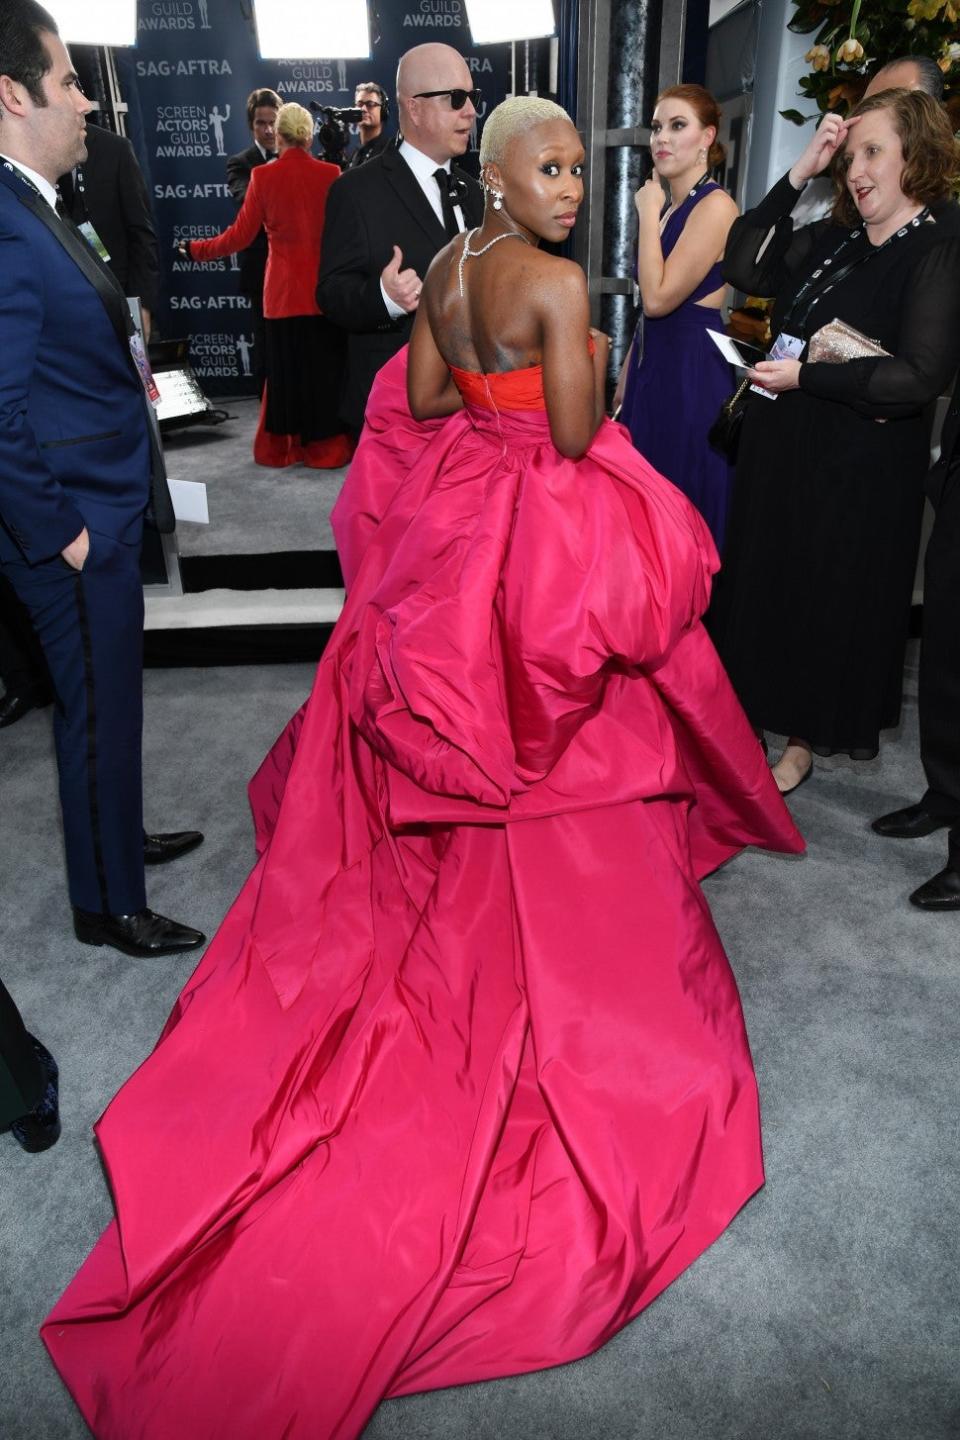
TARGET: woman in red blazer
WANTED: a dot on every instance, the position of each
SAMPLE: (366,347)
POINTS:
(305,352)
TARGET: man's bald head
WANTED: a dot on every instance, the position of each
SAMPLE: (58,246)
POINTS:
(909,72)
(428,67)
(431,124)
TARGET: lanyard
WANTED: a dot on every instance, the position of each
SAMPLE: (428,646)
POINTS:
(15,170)
(638,327)
(80,191)
(797,316)
(695,190)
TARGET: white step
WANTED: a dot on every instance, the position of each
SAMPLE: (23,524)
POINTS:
(217,608)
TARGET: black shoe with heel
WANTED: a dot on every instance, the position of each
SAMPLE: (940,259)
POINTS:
(802,781)
(40,1127)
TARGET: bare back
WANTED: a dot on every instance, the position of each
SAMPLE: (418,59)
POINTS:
(498,323)
(519,308)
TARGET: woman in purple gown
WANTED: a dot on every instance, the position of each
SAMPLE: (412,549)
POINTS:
(674,379)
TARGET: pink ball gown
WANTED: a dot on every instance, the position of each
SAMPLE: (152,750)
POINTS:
(462,1083)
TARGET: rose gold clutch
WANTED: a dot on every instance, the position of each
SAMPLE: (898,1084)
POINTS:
(838,341)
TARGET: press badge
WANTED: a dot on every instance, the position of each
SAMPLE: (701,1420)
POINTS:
(143,367)
(785,347)
(93,240)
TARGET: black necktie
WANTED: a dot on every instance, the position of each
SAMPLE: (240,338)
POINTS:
(444,179)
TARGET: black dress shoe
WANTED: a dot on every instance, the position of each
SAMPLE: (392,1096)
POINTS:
(14,706)
(940,893)
(158,849)
(141,935)
(40,1129)
(911,823)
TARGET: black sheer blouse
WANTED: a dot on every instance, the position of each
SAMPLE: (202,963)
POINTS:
(906,296)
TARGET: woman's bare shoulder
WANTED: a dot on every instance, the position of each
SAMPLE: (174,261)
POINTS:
(716,205)
(556,275)
(445,260)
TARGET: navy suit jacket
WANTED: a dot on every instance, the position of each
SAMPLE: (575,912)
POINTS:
(76,448)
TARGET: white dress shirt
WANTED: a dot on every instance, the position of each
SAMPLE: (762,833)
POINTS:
(48,191)
(424,170)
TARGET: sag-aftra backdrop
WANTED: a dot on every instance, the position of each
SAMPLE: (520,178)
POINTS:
(187,81)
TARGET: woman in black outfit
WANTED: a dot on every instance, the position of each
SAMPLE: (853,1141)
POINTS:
(812,608)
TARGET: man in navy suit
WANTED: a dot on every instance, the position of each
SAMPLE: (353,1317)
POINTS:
(78,469)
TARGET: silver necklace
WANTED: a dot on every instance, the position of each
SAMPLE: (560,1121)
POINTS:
(467,254)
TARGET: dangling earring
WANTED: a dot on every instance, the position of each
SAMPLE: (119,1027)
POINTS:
(701,155)
(489,189)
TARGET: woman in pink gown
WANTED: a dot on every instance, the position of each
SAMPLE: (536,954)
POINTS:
(462,1082)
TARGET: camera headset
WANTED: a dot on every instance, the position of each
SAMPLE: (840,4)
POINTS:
(381,95)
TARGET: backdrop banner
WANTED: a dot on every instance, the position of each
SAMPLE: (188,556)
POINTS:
(187,82)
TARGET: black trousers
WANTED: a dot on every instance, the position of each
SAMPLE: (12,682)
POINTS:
(22,666)
(939,687)
(90,625)
(259,341)
(21,1078)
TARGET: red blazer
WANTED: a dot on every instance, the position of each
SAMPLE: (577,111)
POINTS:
(288,198)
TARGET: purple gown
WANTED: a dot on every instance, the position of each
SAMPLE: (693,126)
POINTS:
(676,382)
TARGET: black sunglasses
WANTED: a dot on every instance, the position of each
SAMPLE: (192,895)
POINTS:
(458,98)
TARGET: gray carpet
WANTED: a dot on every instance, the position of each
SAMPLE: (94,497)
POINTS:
(253,510)
(829,1309)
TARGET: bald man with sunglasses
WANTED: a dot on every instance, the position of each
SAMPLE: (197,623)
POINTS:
(386,220)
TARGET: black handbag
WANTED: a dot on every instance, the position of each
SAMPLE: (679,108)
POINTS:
(724,433)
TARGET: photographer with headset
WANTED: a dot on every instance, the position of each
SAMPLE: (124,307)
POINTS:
(371,99)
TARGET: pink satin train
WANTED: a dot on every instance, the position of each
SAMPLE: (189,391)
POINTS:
(462,1083)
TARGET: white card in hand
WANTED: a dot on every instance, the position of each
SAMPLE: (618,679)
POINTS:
(737,352)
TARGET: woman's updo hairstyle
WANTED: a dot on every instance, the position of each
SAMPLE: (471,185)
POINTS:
(295,124)
(707,111)
(511,118)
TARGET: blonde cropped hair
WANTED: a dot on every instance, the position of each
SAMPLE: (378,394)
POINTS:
(295,124)
(510,119)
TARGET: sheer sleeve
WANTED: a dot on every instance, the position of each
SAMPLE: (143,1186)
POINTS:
(759,268)
(928,348)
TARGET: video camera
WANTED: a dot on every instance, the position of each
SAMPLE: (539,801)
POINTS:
(332,134)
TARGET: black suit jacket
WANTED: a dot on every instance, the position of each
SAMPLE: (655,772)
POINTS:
(944,477)
(940,651)
(373,147)
(253,260)
(369,210)
(945,474)
(114,198)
